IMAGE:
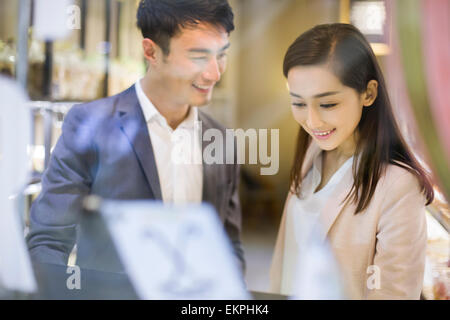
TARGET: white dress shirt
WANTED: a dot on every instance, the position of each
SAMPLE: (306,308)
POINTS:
(302,215)
(178,153)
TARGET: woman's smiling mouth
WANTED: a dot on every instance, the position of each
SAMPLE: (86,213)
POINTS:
(322,135)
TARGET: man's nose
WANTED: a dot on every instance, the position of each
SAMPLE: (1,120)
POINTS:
(313,121)
(213,71)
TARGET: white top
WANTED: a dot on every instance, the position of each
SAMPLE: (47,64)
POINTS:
(177,153)
(302,213)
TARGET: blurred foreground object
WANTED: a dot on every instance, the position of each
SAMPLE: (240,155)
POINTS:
(437,268)
(15,267)
(419,75)
(423,57)
(51,19)
(171,252)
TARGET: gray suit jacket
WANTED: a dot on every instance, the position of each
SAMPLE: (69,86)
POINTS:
(105,150)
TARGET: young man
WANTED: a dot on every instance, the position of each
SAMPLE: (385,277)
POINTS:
(120,147)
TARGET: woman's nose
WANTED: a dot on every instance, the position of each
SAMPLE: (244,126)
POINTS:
(314,120)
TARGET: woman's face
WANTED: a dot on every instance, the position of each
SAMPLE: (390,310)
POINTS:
(326,109)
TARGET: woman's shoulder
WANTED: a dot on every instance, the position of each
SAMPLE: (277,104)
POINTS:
(397,182)
(399,174)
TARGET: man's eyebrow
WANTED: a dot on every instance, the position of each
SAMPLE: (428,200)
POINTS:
(202,50)
(225,47)
(320,95)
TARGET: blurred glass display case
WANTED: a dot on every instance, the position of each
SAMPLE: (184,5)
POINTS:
(100,58)
(104,57)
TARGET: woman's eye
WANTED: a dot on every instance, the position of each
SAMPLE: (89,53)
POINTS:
(328,105)
(299,104)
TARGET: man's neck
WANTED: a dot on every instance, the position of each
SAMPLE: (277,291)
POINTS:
(173,113)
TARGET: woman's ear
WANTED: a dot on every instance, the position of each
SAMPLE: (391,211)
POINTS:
(370,94)
(150,50)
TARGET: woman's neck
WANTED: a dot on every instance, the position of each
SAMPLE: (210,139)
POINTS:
(343,152)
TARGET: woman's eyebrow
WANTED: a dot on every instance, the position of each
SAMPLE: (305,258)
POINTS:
(320,95)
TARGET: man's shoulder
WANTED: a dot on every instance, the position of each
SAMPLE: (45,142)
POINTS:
(101,108)
(209,122)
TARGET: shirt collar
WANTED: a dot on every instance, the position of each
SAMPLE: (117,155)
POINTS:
(147,106)
(314,177)
(318,160)
(150,111)
(192,117)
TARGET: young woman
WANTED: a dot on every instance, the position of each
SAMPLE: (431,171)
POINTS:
(353,174)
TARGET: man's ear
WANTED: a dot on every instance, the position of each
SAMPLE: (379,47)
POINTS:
(369,96)
(150,50)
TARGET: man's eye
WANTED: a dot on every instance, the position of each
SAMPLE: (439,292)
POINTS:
(198,58)
(299,104)
(222,55)
(328,105)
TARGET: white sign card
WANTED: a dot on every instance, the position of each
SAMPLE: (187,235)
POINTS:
(55,19)
(15,120)
(174,252)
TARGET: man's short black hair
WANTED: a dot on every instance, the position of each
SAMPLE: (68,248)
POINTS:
(160,20)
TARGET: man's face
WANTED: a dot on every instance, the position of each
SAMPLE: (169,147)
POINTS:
(195,63)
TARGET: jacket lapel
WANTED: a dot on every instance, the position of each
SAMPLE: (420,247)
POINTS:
(209,192)
(336,204)
(133,125)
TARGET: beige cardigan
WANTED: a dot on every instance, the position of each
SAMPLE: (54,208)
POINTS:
(389,234)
